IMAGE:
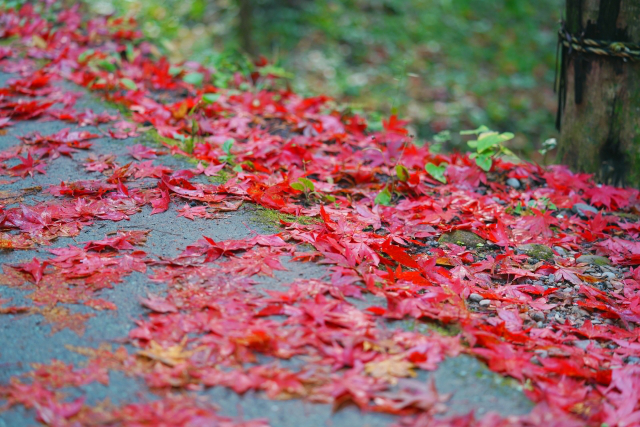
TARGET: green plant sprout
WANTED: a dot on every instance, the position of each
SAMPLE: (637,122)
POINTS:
(547,145)
(309,189)
(488,145)
(227,157)
(439,139)
(383,197)
(543,204)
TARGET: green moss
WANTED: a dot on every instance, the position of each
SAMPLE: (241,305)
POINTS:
(121,108)
(626,215)
(497,380)
(594,259)
(535,250)
(426,327)
(272,218)
(462,238)
(8,40)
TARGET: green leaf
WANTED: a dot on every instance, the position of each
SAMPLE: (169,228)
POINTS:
(435,148)
(131,54)
(194,78)
(383,197)
(237,168)
(210,98)
(174,71)
(307,184)
(108,66)
(481,129)
(402,173)
(490,139)
(443,136)
(437,172)
(485,162)
(129,84)
(226,146)
(84,55)
(297,186)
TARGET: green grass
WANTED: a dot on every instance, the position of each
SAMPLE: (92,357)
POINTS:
(445,64)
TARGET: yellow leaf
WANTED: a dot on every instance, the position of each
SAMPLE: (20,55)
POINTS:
(170,356)
(390,369)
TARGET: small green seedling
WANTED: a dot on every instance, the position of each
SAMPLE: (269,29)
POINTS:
(488,145)
(303,184)
(194,78)
(439,139)
(383,197)
(226,147)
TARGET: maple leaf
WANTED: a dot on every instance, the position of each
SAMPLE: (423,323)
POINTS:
(610,197)
(27,166)
(416,395)
(141,152)
(161,204)
(211,169)
(158,304)
(192,212)
(399,255)
(390,369)
(124,130)
(538,224)
(35,268)
(170,356)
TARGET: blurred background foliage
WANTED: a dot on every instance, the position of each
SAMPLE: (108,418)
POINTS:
(444,64)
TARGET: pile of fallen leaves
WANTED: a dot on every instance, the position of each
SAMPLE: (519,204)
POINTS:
(535,269)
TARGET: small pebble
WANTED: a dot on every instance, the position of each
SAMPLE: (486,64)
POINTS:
(499,201)
(538,283)
(512,182)
(475,297)
(609,275)
(551,278)
(541,353)
(583,344)
(485,302)
(538,316)
(582,209)
(560,251)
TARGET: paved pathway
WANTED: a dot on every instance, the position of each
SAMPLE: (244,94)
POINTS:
(28,339)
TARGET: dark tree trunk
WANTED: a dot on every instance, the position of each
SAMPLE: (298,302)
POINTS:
(599,116)
(245,27)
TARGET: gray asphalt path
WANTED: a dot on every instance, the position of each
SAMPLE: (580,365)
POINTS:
(27,339)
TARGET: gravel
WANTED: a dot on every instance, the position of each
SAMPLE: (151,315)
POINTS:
(582,208)
(514,183)
(475,297)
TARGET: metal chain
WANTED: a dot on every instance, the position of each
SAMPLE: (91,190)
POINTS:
(599,47)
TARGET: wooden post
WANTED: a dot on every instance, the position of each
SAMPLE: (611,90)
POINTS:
(599,99)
